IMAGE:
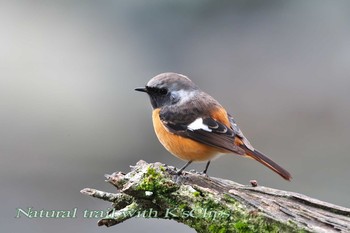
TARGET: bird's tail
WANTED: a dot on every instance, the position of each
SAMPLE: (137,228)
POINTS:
(267,162)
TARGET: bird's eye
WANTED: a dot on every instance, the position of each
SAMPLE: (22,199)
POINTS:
(163,91)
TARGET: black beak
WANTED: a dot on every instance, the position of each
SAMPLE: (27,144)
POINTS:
(142,89)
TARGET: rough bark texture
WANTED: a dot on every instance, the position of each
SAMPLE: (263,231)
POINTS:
(210,204)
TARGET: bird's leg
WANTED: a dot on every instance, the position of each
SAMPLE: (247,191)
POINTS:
(183,168)
(206,168)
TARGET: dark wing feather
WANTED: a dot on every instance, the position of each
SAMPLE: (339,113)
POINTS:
(220,136)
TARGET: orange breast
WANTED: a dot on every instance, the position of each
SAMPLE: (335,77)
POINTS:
(183,148)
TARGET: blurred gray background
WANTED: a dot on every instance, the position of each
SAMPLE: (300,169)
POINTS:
(68,112)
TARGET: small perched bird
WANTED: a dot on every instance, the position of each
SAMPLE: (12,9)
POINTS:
(193,126)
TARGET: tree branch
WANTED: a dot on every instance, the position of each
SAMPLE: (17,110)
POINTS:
(210,204)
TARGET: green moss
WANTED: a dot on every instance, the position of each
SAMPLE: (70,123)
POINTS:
(216,229)
(242,226)
(202,211)
(196,194)
(219,218)
(183,206)
(155,182)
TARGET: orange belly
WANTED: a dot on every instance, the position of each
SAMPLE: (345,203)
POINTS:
(183,148)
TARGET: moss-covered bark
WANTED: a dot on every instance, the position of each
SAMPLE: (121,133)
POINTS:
(205,204)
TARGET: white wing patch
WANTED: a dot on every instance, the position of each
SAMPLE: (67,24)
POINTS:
(198,124)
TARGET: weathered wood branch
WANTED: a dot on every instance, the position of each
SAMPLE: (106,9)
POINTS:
(210,204)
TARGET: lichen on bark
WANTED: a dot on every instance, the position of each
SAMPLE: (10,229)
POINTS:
(209,204)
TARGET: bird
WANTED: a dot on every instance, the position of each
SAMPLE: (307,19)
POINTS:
(195,127)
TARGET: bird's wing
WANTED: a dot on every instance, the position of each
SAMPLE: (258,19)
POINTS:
(214,132)
(205,130)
